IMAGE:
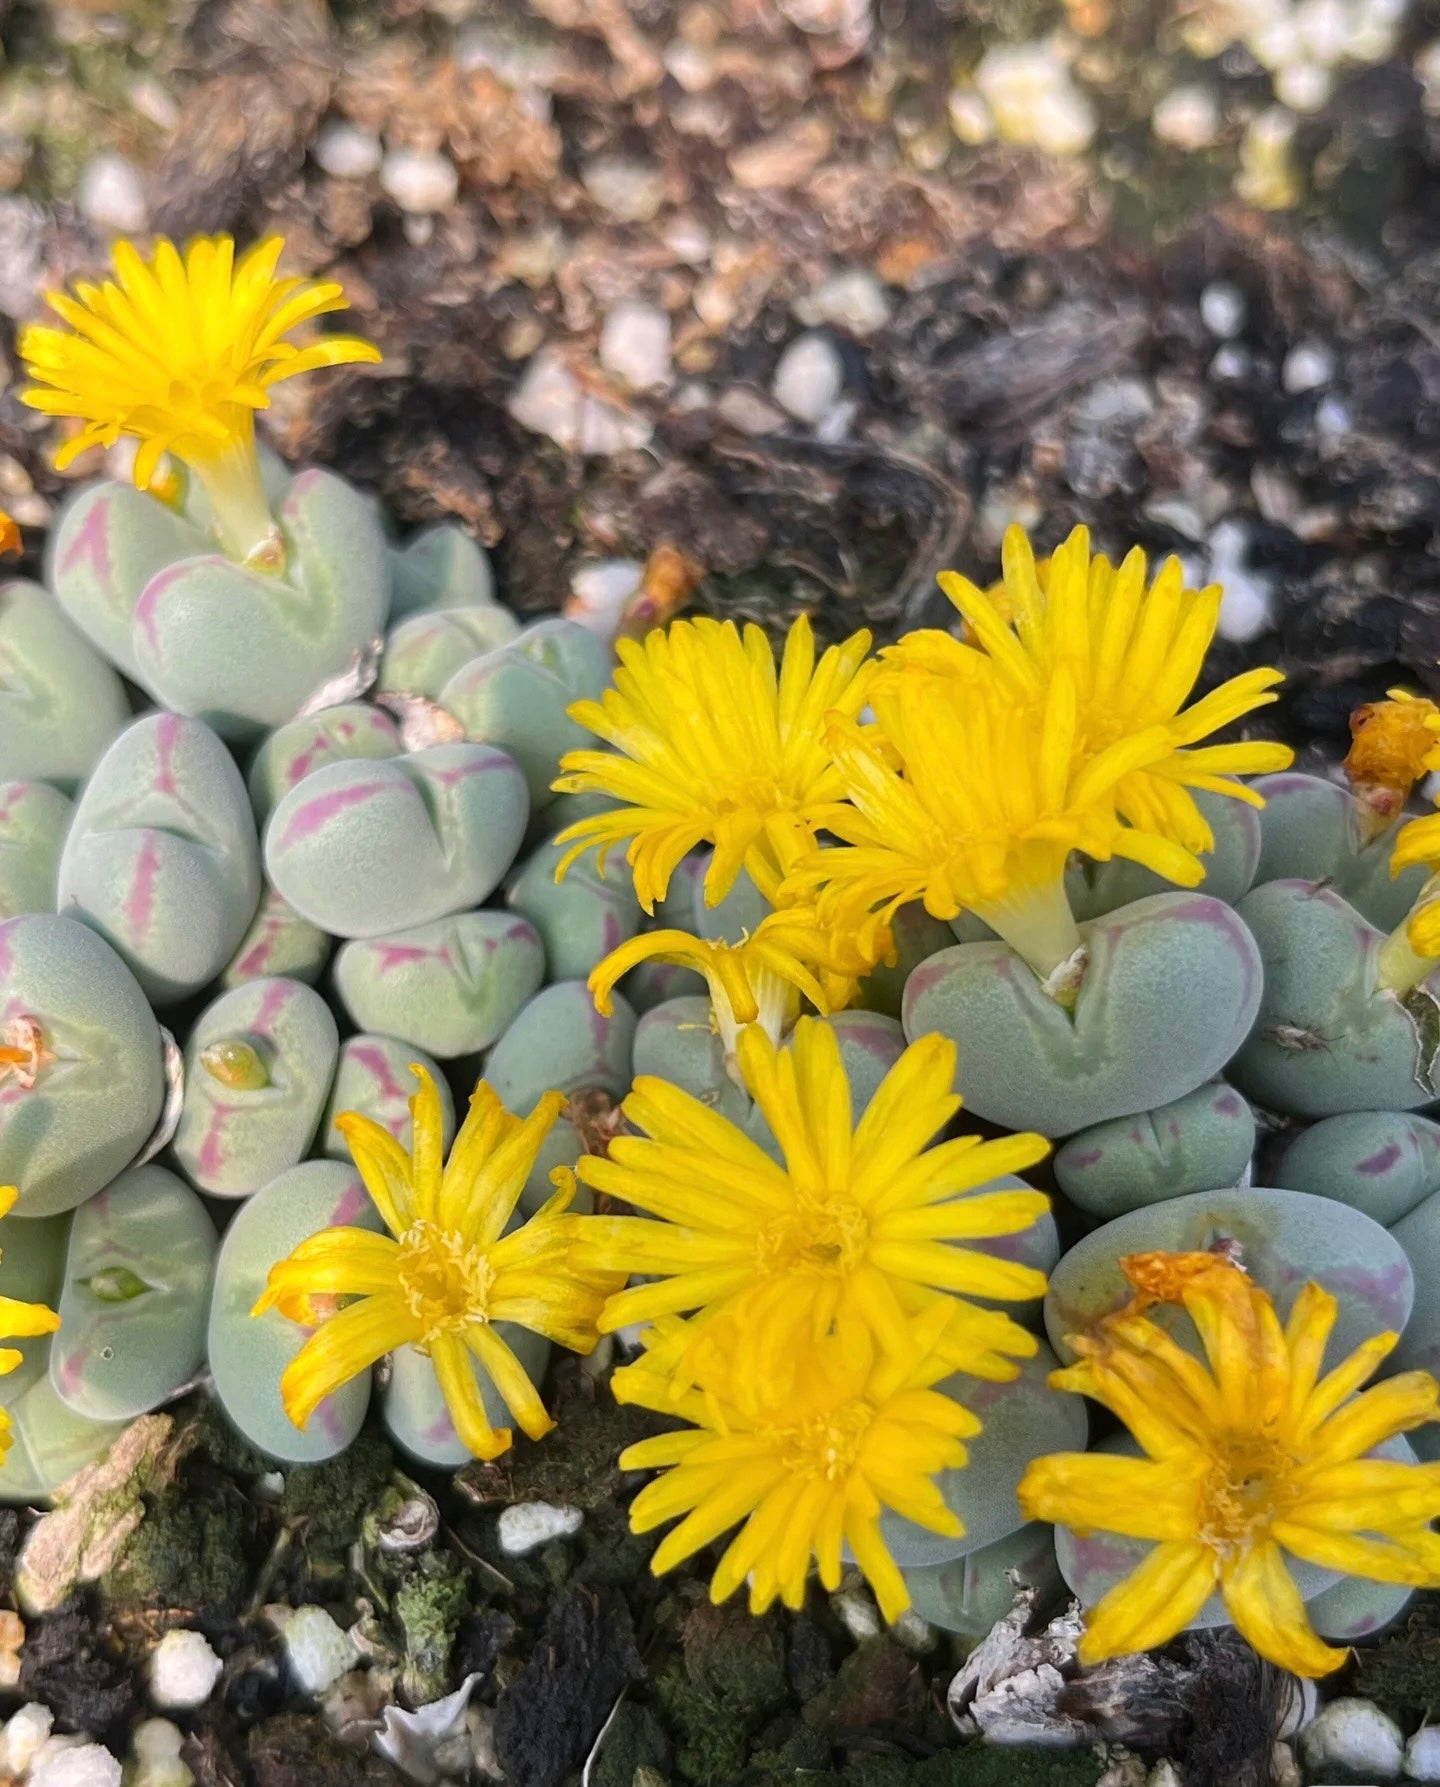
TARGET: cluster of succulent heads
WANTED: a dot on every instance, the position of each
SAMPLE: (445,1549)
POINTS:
(733,951)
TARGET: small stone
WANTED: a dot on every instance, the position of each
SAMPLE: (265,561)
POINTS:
(346,152)
(917,1635)
(970,117)
(1222,309)
(632,191)
(600,591)
(1231,362)
(525,1525)
(157,1755)
(22,1737)
(76,1765)
(110,195)
(316,1649)
(1164,1774)
(635,344)
(1033,99)
(1308,366)
(1303,86)
(1352,1738)
(420,182)
(784,159)
(1284,1769)
(1187,118)
(183,1670)
(551,400)
(747,412)
(853,300)
(1422,1754)
(809,378)
(858,1614)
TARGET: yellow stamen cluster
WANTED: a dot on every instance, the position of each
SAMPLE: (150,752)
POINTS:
(179,351)
(1253,1454)
(448,1277)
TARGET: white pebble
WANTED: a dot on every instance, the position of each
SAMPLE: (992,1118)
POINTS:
(316,1649)
(1187,118)
(346,152)
(1303,86)
(1332,419)
(23,1735)
(1422,1754)
(1308,367)
(525,1525)
(635,344)
(550,400)
(630,190)
(157,1755)
(970,117)
(852,299)
(80,1765)
(858,1614)
(1231,362)
(1033,99)
(419,182)
(111,196)
(183,1670)
(1222,309)
(1352,1737)
(1164,1774)
(599,592)
(917,1635)
(809,378)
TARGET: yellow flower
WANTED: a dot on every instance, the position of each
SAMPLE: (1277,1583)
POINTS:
(807,1457)
(760,980)
(1091,636)
(1392,744)
(858,1228)
(447,1272)
(987,801)
(711,746)
(18,1321)
(180,352)
(10,541)
(1255,1456)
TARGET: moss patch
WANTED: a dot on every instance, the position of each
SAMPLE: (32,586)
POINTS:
(330,1500)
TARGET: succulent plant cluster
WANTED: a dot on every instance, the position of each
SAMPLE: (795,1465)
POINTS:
(294,817)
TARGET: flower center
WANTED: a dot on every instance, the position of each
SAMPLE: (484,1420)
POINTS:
(23,1052)
(826,1235)
(444,1280)
(1249,1485)
(825,1446)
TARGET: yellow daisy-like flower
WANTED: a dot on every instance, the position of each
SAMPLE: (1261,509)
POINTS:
(859,1228)
(18,1321)
(1255,1456)
(10,541)
(1392,744)
(789,956)
(807,1457)
(980,813)
(180,351)
(447,1271)
(711,745)
(1089,636)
